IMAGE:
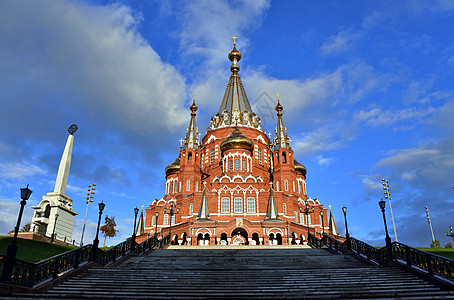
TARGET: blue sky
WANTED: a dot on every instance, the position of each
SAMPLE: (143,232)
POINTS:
(366,88)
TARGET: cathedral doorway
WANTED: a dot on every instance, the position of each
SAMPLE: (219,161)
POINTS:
(255,239)
(224,239)
(239,236)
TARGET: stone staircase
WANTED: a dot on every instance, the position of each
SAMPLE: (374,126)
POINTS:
(242,272)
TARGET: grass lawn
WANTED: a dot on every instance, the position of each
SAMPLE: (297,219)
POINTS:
(445,252)
(33,251)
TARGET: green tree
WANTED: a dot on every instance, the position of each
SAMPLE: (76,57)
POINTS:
(26,228)
(108,229)
(435,244)
(448,245)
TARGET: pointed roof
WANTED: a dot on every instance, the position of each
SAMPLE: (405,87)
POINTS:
(235,107)
(332,224)
(204,214)
(192,133)
(140,225)
(281,140)
(271,213)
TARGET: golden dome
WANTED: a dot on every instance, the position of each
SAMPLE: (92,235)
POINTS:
(234,54)
(173,168)
(299,168)
(236,141)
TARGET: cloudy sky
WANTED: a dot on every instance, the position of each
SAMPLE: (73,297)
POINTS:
(366,88)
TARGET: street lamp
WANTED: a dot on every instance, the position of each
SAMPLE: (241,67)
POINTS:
(101,205)
(12,248)
(90,196)
(388,196)
(451,233)
(133,239)
(172,213)
(347,236)
(430,224)
(53,231)
(156,230)
(382,204)
(323,223)
(307,212)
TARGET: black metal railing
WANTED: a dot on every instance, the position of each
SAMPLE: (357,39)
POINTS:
(429,263)
(29,274)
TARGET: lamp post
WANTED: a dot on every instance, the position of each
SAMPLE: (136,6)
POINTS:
(388,196)
(430,224)
(382,204)
(52,238)
(12,248)
(90,196)
(307,212)
(323,224)
(451,234)
(347,236)
(96,240)
(133,239)
(156,230)
(172,213)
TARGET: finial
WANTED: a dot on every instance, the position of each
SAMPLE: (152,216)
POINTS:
(142,208)
(193,106)
(234,40)
(193,98)
(181,143)
(73,128)
(279,107)
(277,95)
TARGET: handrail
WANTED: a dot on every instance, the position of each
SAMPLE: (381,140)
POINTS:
(433,265)
(29,274)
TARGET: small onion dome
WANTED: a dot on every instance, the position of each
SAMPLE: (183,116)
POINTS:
(193,108)
(173,168)
(279,108)
(234,54)
(236,141)
(299,168)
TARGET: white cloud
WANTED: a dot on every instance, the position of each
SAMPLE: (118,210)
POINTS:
(19,171)
(323,161)
(339,43)
(377,117)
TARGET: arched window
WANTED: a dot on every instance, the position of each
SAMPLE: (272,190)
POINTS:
(47,211)
(191,209)
(277,186)
(260,156)
(238,205)
(320,220)
(250,205)
(299,188)
(284,207)
(188,185)
(301,218)
(286,184)
(296,217)
(189,157)
(293,182)
(309,219)
(171,187)
(225,205)
(231,164)
(284,158)
(172,220)
(196,186)
(180,186)
(152,220)
(166,219)
(237,164)
(244,165)
(212,156)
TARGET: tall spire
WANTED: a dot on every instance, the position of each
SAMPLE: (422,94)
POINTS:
(271,213)
(332,225)
(192,134)
(140,225)
(203,211)
(235,108)
(65,163)
(281,140)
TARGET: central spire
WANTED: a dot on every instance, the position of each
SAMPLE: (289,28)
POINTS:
(235,108)
(191,139)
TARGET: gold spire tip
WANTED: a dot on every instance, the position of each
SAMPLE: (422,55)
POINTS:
(193,97)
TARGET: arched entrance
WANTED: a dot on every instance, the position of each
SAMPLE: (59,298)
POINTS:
(224,239)
(239,236)
(255,239)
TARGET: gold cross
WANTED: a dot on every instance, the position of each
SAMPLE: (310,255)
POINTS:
(181,142)
(234,38)
(278,97)
(193,97)
(142,208)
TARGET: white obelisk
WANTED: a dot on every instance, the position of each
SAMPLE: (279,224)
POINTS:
(54,215)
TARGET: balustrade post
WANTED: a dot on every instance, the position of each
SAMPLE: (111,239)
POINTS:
(429,264)
(407,255)
(114,256)
(56,267)
(123,249)
(77,259)
(31,275)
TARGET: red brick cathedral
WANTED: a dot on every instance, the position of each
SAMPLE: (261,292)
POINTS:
(235,186)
